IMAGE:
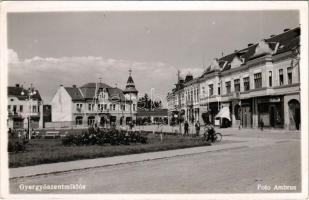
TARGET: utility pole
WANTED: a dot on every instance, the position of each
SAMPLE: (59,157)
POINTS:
(179,101)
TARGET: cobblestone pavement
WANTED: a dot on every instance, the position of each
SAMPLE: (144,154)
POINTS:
(257,159)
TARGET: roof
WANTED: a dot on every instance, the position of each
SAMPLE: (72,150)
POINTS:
(75,93)
(94,85)
(286,42)
(130,87)
(17,90)
(148,113)
(88,91)
(116,94)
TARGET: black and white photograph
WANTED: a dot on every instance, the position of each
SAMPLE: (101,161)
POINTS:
(157,99)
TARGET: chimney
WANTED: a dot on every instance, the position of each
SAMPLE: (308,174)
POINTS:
(287,29)
(74,86)
(61,85)
(272,35)
(235,51)
(250,44)
(17,85)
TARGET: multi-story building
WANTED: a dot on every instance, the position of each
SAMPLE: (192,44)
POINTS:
(259,83)
(191,96)
(94,103)
(22,109)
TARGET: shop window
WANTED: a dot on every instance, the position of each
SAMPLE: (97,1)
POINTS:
(228,87)
(211,89)
(270,79)
(289,75)
(280,76)
(246,84)
(237,85)
(257,80)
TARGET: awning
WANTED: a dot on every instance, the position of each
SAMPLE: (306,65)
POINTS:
(224,113)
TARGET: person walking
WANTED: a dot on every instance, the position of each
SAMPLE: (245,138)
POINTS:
(197,128)
(186,127)
(261,124)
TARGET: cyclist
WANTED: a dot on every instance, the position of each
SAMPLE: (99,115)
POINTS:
(211,132)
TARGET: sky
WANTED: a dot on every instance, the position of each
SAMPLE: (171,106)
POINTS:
(50,49)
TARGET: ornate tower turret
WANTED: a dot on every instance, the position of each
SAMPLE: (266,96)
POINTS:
(130,87)
(131,96)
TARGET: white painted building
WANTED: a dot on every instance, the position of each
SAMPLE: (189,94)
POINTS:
(94,104)
(21,108)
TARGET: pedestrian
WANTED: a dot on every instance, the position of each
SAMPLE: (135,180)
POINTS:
(261,124)
(186,126)
(197,128)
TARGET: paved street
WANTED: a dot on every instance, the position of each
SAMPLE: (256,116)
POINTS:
(262,159)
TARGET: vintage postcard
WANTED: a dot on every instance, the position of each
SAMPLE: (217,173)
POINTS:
(154,100)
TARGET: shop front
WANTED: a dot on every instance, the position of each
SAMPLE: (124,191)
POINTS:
(245,113)
(271,111)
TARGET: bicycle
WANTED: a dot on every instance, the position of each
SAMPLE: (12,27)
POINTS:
(217,136)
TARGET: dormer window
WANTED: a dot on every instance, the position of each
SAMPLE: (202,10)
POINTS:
(262,49)
(236,62)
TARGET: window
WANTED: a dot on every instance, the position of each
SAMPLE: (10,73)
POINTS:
(105,106)
(90,106)
(134,107)
(289,75)
(9,107)
(34,109)
(114,106)
(79,107)
(211,89)
(203,90)
(270,79)
(197,95)
(246,84)
(79,120)
(14,109)
(280,76)
(237,85)
(257,80)
(228,87)
(219,89)
(21,108)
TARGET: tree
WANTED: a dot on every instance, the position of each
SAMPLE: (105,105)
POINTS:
(146,103)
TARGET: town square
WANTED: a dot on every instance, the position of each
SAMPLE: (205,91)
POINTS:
(155,102)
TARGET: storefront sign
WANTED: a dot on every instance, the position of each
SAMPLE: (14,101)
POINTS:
(270,100)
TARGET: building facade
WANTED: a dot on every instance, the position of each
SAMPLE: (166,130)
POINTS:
(24,112)
(94,104)
(254,85)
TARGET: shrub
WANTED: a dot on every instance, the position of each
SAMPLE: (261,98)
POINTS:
(104,136)
(16,145)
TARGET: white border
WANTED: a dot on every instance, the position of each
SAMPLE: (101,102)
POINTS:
(52,6)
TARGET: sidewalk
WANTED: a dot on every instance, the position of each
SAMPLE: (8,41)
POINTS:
(230,130)
(101,162)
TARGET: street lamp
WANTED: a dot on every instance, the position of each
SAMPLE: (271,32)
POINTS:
(31,92)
